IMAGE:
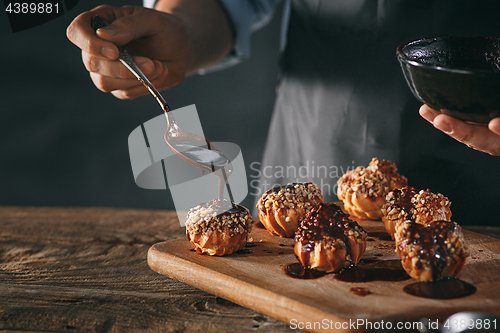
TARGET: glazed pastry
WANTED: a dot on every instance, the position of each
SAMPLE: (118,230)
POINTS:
(363,190)
(282,208)
(414,204)
(217,229)
(328,240)
(432,252)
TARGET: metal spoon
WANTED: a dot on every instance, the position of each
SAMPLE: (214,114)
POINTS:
(190,147)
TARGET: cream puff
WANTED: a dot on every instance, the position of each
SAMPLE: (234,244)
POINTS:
(414,204)
(282,208)
(218,227)
(363,190)
(432,252)
(328,240)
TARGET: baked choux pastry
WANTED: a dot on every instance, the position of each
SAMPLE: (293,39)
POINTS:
(363,190)
(414,204)
(218,228)
(328,240)
(432,252)
(282,208)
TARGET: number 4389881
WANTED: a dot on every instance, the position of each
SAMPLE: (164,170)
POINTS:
(32,8)
(478,324)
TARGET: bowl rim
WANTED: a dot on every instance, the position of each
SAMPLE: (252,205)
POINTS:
(407,59)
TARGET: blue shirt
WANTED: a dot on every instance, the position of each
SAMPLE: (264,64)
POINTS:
(245,17)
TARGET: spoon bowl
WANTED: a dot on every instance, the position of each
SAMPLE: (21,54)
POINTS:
(196,150)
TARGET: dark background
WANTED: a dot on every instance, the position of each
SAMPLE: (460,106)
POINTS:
(64,142)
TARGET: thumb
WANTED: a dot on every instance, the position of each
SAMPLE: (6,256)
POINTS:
(123,30)
(494,125)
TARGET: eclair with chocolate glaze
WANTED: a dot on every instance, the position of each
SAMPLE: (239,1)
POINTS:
(432,252)
(328,240)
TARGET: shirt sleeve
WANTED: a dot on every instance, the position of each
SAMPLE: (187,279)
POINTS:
(245,16)
(148,3)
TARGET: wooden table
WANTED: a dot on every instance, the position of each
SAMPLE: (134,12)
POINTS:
(85,269)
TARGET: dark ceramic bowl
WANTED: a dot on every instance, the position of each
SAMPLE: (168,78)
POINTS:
(457,75)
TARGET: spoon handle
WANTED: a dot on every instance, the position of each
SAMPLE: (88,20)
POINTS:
(126,59)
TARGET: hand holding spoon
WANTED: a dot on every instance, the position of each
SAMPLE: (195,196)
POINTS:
(190,147)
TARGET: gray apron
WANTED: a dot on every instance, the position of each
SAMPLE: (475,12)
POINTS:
(342,100)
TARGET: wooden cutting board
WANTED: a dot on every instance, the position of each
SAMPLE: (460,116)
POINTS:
(256,280)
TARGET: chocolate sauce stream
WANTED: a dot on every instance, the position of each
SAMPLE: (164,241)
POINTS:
(210,160)
(222,184)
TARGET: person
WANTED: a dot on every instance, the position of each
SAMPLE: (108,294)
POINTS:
(341,99)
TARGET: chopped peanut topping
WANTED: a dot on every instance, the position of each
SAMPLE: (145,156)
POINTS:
(205,218)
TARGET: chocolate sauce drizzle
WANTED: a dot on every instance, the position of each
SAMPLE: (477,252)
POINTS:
(212,160)
(367,270)
(296,270)
(403,198)
(387,270)
(443,289)
(360,291)
(373,270)
(243,251)
(325,220)
(434,250)
(224,207)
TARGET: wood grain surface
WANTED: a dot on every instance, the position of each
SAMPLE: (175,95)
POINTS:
(85,270)
(256,280)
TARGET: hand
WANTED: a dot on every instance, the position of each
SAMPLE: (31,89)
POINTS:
(176,39)
(482,138)
(160,38)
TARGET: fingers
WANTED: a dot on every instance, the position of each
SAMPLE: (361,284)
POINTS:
(136,91)
(134,23)
(81,33)
(122,79)
(478,137)
(494,126)
(474,136)
(126,24)
(116,69)
(428,113)
(160,38)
